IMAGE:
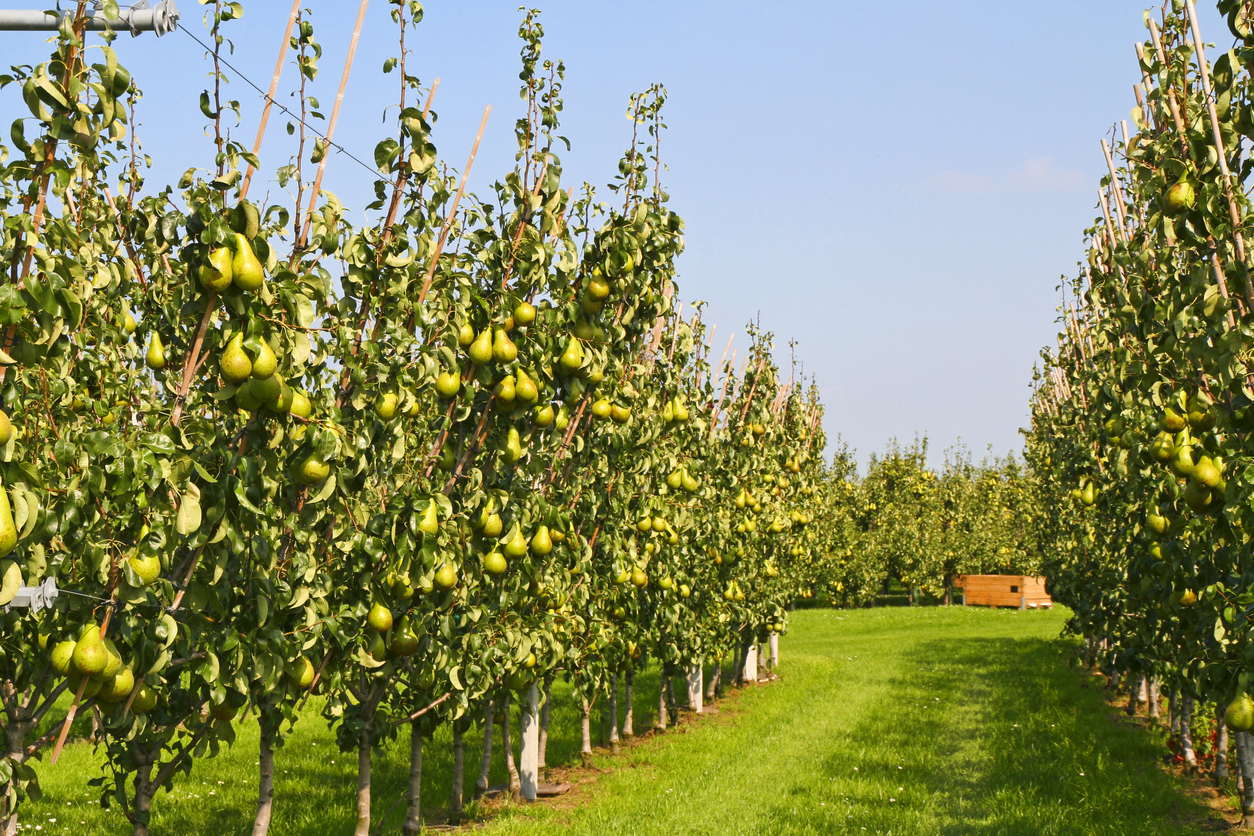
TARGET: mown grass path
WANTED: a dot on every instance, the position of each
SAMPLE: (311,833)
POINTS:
(901,721)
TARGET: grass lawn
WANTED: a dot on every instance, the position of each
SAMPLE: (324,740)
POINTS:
(892,720)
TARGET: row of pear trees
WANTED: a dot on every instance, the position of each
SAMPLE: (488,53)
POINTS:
(1141,419)
(418,467)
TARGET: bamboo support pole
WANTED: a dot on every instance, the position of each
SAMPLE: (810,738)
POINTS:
(452,212)
(1234,212)
(335,117)
(1121,211)
(1171,94)
(274,88)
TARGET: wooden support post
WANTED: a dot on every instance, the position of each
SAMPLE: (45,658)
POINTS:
(774,645)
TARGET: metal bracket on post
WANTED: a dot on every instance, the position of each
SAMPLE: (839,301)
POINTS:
(137,18)
(35,597)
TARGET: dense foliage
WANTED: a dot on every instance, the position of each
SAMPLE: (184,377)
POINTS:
(1141,419)
(415,465)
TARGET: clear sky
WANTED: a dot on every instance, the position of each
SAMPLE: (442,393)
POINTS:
(895,186)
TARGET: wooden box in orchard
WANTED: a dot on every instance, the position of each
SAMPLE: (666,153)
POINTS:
(1022,591)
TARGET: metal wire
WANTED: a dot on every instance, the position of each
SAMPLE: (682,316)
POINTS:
(282,107)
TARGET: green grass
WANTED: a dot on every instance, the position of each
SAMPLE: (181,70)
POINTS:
(902,721)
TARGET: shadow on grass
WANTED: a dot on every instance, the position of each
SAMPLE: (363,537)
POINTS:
(993,736)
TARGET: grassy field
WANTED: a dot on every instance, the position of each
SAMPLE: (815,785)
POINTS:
(893,720)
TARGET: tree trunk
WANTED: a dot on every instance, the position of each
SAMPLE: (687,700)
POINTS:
(1186,730)
(1134,692)
(507,747)
(413,815)
(544,720)
(629,698)
(144,791)
(613,707)
(529,744)
(364,745)
(459,773)
(1154,697)
(585,727)
(1245,759)
(604,721)
(489,714)
(774,649)
(711,690)
(660,723)
(1173,711)
(268,724)
(1221,746)
(672,710)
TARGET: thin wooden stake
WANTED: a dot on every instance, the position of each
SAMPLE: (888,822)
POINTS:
(1234,213)
(274,88)
(335,117)
(452,212)
(82,686)
(1121,211)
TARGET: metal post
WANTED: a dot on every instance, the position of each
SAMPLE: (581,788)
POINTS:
(138,18)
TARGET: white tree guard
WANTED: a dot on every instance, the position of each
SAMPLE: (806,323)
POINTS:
(529,762)
(696,687)
(751,663)
(774,640)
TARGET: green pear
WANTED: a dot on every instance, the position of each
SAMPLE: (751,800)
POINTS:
(601,408)
(246,270)
(620,414)
(526,388)
(1239,715)
(114,663)
(155,358)
(385,406)
(6,428)
(245,399)
(266,363)
(598,288)
(480,351)
(8,531)
(216,274)
(583,329)
(117,687)
(674,479)
(544,416)
(446,577)
(266,389)
(90,655)
(494,563)
(563,418)
(404,642)
(639,579)
(506,390)
(513,447)
(301,407)
(312,470)
(300,673)
(1179,198)
(524,314)
(448,384)
(62,657)
(689,482)
(379,618)
(493,525)
(430,522)
(234,362)
(1207,473)
(541,542)
(516,546)
(503,349)
(145,700)
(1182,462)
(465,335)
(146,566)
(129,324)
(572,357)
(681,411)
(284,402)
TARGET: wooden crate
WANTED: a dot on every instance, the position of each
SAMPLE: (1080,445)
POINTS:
(1020,591)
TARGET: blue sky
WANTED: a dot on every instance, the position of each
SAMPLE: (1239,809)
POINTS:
(896,186)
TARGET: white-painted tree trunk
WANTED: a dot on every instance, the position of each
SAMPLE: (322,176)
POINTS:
(1154,698)
(696,688)
(1186,730)
(485,766)
(613,710)
(413,812)
(751,663)
(629,681)
(774,645)
(457,791)
(529,759)
(585,728)
(1173,709)
(1221,745)
(1245,760)
(544,720)
(662,713)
